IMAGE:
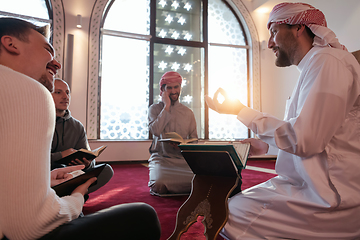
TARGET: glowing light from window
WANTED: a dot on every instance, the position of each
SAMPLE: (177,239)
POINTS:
(162,33)
(162,65)
(187,6)
(175,35)
(175,66)
(183,83)
(175,4)
(169,50)
(162,3)
(187,99)
(187,36)
(169,18)
(181,20)
(181,51)
(187,67)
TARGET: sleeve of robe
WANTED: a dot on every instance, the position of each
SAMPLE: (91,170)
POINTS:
(158,119)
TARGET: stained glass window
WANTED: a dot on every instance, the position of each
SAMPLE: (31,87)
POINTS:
(138,48)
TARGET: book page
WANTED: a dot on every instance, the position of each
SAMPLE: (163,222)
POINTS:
(190,140)
(98,150)
(174,135)
(76,173)
(242,150)
(85,151)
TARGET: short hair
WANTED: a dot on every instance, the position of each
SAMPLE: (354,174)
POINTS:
(62,80)
(20,28)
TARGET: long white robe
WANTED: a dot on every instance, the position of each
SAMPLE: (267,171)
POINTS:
(167,167)
(316,194)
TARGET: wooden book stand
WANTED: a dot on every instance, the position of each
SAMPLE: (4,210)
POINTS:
(208,198)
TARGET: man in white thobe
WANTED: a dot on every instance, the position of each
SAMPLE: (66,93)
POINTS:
(168,171)
(316,194)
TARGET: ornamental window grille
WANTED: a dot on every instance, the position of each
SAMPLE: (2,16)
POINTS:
(203,40)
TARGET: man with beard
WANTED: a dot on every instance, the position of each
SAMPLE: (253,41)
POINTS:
(29,208)
(316,194)
(168,171)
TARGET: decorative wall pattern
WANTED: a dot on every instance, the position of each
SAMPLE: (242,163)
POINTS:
(93,72)
(58,32)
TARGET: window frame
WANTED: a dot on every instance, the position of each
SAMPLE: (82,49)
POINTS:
(252,47)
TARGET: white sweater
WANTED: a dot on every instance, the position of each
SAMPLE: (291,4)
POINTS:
(29,208)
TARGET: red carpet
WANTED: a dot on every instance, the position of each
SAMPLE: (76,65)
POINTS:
(129,184)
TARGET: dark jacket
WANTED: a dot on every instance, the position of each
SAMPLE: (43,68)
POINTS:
(69,133)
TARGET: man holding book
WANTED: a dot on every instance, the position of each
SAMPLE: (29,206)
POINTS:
(316,194)
(70,135)
(168,171)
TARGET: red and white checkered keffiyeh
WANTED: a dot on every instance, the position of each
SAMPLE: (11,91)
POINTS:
(302,13)
(170,77)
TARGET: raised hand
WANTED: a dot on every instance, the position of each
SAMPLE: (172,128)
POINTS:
(229,106)
(165,98)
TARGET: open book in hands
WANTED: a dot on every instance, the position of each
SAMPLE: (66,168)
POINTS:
(79,177)
(82,153)
(175,137)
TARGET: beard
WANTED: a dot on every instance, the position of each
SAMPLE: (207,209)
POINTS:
(49,84)
(174,98)
(283,59)
(286,52)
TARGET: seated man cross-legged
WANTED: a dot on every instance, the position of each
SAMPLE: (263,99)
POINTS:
(70,135)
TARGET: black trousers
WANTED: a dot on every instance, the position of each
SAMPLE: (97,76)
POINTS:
(137,221)
(130,221)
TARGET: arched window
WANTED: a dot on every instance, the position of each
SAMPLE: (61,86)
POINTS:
(203,40)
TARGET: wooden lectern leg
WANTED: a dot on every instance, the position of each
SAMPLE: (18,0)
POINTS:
(208,198)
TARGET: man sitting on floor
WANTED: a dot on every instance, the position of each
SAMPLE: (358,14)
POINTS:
(169,172)
(70,135)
